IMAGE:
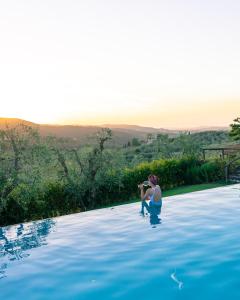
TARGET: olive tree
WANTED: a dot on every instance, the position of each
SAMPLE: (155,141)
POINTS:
(235,129)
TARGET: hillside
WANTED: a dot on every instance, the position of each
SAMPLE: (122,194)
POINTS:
(122,133)
(12,122)
(137,128)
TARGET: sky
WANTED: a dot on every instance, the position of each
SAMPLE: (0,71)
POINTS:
(171,63)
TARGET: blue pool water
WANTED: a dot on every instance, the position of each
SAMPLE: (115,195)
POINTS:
(193,253)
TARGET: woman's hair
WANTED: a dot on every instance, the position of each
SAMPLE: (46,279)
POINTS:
(153,179)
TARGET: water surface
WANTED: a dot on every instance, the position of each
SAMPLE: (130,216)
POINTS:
(191,251)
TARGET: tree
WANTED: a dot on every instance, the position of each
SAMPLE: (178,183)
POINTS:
(94,162)
(188,147)
(17,147)
(135,142)
(163,145)
(79,168)
(149,138)
(235,131)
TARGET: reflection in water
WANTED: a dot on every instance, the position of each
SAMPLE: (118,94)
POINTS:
(174,278)
(154,212)
(16,240)
(2,270)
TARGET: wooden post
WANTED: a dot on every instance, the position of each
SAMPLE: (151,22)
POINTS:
(223,153)
(204,156)
(226,173)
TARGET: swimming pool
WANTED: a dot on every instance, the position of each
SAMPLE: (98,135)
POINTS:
(115,253)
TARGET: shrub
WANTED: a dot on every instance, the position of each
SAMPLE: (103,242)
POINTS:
(54,197)
(173,173)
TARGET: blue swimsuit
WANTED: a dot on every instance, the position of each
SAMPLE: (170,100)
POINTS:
(154,207)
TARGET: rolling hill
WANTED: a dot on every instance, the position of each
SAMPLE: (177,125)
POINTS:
(122,133)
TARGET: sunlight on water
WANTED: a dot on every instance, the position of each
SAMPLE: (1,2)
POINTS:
(191,251)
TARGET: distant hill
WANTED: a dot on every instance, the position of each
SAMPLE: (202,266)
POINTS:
(164,130)
(122,133)
(209,128)
(12,122)
(140,128)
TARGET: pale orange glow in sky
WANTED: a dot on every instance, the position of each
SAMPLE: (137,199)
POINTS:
(171,64)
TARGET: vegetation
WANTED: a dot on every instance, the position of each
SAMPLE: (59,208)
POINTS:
(163,146)
(176,191)
(45,176)
(192,188)
(235,131)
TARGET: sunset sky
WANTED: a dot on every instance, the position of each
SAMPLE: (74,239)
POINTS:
(171,63)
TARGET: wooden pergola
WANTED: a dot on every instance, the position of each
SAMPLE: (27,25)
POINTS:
(225,150)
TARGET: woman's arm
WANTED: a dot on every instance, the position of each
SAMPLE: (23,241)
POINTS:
(143,195)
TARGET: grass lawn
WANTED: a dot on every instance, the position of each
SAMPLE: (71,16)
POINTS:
(176,191)
(192,188)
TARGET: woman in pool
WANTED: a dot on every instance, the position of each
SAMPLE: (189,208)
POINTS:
(154,194)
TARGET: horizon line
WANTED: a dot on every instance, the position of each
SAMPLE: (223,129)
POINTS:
(121,124)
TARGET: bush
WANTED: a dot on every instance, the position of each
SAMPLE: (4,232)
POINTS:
(23,203)
(173,173)
(54,197)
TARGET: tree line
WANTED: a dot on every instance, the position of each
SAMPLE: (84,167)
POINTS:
(43,177)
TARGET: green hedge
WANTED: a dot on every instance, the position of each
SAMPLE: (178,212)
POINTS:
(57,198)
(173,173)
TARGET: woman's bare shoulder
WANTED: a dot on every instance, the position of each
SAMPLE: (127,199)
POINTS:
(159,188)
(149,191)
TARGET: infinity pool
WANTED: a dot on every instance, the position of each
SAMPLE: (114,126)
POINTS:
(192,251)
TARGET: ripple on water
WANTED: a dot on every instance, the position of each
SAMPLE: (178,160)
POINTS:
(117,254)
